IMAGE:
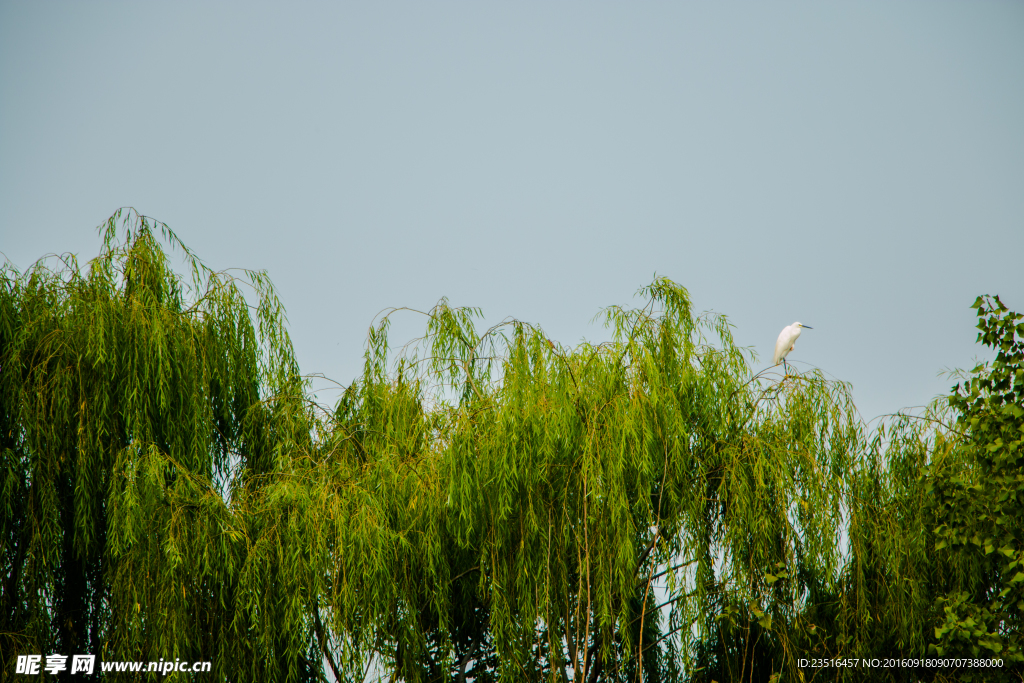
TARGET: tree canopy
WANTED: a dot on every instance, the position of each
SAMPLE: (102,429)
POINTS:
(480,504)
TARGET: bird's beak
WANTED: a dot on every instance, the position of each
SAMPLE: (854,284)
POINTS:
(806,327)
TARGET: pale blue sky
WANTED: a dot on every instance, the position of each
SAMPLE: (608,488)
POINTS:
(857,166)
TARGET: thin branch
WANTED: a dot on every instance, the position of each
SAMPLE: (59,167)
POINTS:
(319,627)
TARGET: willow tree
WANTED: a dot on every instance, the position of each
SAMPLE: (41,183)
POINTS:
(498,506)
(128,399)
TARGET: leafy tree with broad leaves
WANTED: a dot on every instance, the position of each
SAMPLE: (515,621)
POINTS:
(979,504)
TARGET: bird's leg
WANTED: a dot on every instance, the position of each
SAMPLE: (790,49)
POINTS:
(785,366)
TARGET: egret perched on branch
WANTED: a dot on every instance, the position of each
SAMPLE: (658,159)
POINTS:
(786,342)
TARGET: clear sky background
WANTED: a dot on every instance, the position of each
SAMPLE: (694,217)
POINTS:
(856,166)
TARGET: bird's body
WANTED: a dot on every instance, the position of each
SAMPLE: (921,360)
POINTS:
(787,340)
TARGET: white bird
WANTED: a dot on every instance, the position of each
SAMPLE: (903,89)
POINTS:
(786,342)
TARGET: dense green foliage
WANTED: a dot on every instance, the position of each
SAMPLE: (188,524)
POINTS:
(125,409)
(479,505)
(980,507)
(552,498)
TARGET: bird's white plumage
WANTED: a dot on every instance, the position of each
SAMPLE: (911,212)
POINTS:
(787,338)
